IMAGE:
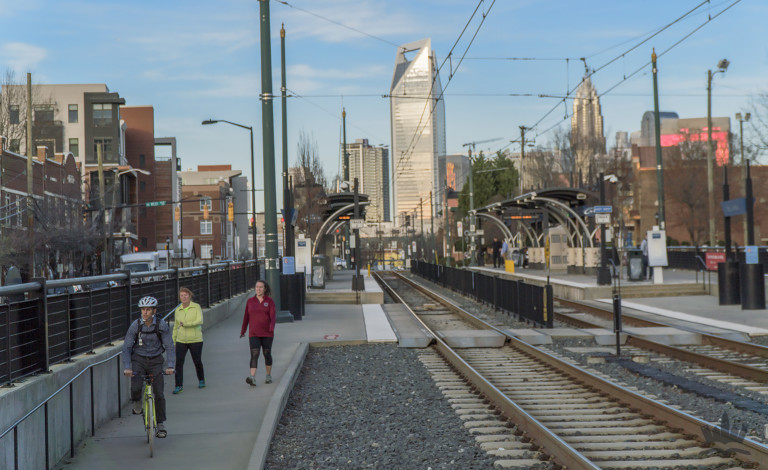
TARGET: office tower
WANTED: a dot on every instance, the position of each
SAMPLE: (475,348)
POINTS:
(370,165)
(417,116)
(587,126)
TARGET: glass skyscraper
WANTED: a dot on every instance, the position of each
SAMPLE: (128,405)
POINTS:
(418,130)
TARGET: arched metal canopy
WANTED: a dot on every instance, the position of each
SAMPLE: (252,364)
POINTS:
(346,209)
(562,204)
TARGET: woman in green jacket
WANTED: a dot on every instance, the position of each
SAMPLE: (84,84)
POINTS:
(188,335)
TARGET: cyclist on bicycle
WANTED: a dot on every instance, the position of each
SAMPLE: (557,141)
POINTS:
(145,342)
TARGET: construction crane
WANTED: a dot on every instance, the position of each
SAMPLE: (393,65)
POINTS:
(472,145)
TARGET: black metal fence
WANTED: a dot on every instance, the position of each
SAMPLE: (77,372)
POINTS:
(40,327)
(684,257)
(527,301)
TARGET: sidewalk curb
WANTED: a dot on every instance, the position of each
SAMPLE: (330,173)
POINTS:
(275,409)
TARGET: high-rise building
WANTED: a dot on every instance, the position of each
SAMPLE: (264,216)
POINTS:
(587,136)
(455,170)
(417,116)
(370,165)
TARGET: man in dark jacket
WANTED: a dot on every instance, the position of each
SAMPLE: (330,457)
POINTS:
(496,246)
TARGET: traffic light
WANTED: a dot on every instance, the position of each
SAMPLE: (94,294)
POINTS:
(230,211)
(177,213)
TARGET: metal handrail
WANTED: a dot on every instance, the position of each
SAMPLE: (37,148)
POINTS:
(709,274)
(44,403)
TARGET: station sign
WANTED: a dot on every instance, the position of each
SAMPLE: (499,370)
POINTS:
(602,218)
(603,209)
(356,224)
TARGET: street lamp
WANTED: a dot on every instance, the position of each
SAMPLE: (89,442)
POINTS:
(743,160)
(722,66)
(253,179)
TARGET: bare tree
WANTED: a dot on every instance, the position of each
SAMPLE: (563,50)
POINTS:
(13,110)
(309,186)
(687,191)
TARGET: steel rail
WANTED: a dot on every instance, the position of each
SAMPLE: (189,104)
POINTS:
(731,442)
(720,365)
(558,449)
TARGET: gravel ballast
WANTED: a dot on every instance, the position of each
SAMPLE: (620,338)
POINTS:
(370,406)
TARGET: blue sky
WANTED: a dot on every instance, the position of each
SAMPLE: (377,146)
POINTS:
(193,60)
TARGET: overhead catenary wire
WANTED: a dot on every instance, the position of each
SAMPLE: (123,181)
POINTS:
(405,156)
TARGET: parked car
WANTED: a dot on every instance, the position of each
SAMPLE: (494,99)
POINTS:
(339,263)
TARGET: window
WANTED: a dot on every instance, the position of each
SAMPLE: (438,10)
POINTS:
(142,160)
(206,227)
(13,110)
(74,147)
(106,146)
(7,210)
(205,201)
(18,211)
(102,114)
(144,242)
(15,144)
(142,186)
(206,251)
(43,114)
(73,113)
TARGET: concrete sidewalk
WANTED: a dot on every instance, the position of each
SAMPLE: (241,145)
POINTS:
(217,427)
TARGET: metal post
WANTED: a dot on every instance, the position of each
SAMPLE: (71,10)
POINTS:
(603,274)
(30,181)
(345,174)
(727,223)
(471,213)
(268,138)
(287,206)
(448,248)
(659,163)
(100,163)
(357,282)
(253,200)
(710,163)
(750,209)
(432,227)
(522,158)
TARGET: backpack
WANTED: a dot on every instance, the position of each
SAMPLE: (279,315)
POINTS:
(155,331)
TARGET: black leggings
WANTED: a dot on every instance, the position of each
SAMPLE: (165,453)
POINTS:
(196,349)
(265,344)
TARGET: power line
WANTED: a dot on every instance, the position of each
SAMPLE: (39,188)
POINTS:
(405,156)
(337,23)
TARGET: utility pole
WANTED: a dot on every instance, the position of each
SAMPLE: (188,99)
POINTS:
(345,171)
(471,212)
(659,162)
(30,184)
(603,274)
(448,249)
(432,227)
(102,209)
(358,282)
(268,154)
(421,219)
(722,66)
(522,159)
(287,206)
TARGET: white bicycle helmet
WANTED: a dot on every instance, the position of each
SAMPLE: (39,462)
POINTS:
(148,301)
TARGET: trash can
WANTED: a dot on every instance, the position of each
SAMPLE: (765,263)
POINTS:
(635,264)
(318,271)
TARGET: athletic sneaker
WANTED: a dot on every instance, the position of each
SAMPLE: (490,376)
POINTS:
(268,379)
(250,381)
(201,384)
(161,431)
(178,389)
(137,408)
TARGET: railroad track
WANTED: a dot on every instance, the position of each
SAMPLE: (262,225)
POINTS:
(736,363)
(526,405)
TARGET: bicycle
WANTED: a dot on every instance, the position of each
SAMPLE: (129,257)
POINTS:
(148,410)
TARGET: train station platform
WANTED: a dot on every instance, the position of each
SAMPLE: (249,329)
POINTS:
(682,299)
(229,424)
(339,290)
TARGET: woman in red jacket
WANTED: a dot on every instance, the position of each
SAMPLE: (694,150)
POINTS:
(259,319)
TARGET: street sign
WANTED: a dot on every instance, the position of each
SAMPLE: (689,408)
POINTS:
(603,218)
(733,207)
(472,227)
(459,228)
(479,232)
(603,209)
(355,224)
(154,203)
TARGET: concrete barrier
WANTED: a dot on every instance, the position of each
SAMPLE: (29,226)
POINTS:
(20,399)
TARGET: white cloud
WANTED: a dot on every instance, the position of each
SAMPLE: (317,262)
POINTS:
(22,57)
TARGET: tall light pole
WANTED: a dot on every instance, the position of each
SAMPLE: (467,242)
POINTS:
(743,160)
(253,180)
(659,161)
(722,66)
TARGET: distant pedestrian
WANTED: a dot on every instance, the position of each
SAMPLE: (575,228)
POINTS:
(496,251)
(644,249)
(259,320)
(188,336)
